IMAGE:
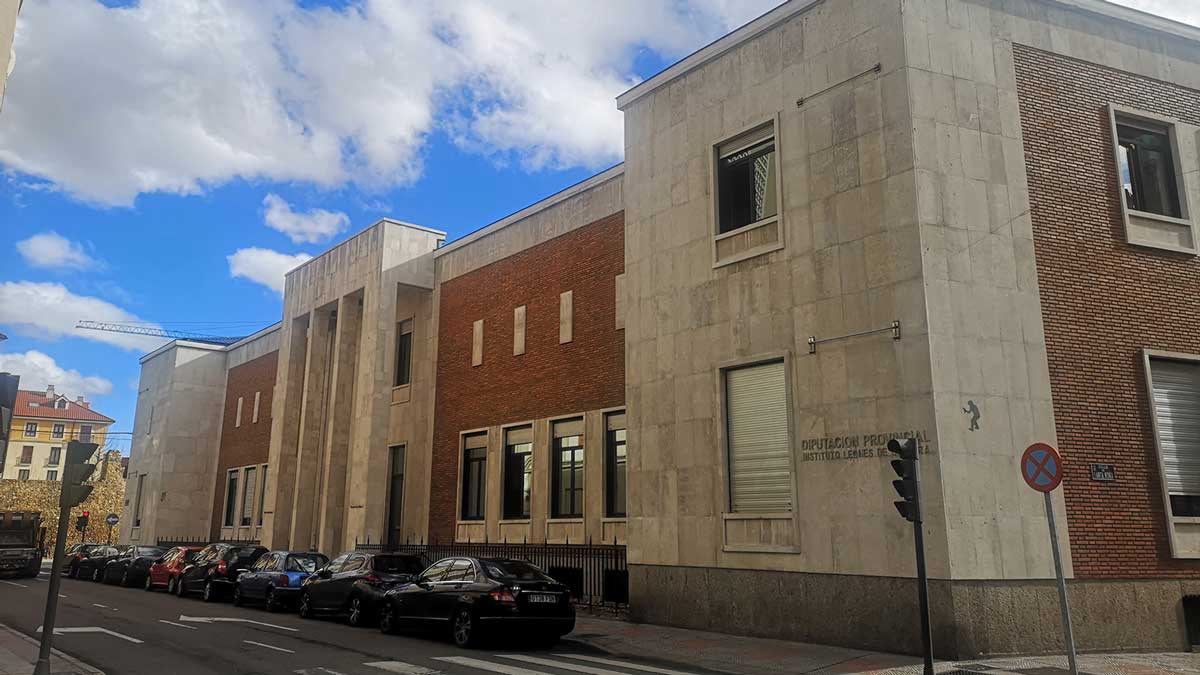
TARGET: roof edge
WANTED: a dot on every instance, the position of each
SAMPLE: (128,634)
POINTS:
(254,336)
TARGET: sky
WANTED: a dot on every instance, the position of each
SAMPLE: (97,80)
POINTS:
(166,161)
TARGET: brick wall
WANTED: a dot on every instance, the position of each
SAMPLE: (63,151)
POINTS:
(1103,300)
(249,443)
(549,378)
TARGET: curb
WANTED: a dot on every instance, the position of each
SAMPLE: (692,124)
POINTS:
(76,664)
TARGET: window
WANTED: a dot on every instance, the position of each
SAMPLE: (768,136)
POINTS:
(137,500)
(760,456)
(55,456)
(26,454)
(61,404)
(1146,161)
(337,564)
(746,180)
(85,433)
(248,496)
(518,471)
(614,465)
(23,474)
(474,476)
(404,332)
(231,483)
(237,417)
(1176,391)
(435,572)
(396,495)
(254,414)
(262,496)
(567,470)
(51,475)
(461,571)
(31,429)
(57,431)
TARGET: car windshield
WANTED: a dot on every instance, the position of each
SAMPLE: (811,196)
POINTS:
(514,570)
(397,564)
(189,556)
(241,552)
(305,563)
(149,551)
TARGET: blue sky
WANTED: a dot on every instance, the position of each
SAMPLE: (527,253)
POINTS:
(143,145)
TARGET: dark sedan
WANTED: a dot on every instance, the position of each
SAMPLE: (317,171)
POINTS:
(472,597)
(75,555)
(354,583)
(131,567)
(216,569)
(275,579)
(92,566)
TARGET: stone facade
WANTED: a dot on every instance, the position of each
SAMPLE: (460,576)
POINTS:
(108,496)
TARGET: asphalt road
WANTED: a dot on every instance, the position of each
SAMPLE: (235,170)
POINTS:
(164,635)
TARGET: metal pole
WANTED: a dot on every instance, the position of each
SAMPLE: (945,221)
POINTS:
(1068,634)
(43,662)
(922,577)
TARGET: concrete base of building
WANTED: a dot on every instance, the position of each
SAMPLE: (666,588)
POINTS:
(970,619)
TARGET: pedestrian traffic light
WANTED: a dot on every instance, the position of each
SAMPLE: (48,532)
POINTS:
(81,522)
(909,484)
(77,470)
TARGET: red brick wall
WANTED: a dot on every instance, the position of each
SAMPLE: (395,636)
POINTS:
(1103,300)
(549,378)
(251,442)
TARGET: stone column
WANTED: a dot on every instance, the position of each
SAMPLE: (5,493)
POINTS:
(285,430)
(312,423)
(332,492)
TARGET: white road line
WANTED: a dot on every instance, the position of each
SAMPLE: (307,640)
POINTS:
(61,595)
(402,668)
(488,665)
(577,667)
(622,664)
(96,604)
(92,629)
(317,671)
(13,583)
(172,623)
(261,644)
(211,619)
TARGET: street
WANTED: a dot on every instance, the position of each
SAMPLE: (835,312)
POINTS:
(123,631)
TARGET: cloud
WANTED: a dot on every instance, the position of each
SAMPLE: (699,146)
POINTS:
(264,266)
(53,251)
(50,311)
(282,92)
(1186,11)
(314,227)
(38,370)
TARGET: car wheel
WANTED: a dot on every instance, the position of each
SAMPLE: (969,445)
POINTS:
(358,612)
(237,595)
(305,610)
(463,628)
(125,579)
(269,601)
(210,592)
(387,619)
(149,585)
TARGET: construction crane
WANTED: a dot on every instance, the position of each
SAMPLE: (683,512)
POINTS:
(154,331)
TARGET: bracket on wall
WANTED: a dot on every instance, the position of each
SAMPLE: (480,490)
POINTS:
(894,328)
(877,68)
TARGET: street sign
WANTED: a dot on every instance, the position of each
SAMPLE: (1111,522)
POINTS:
(111,519)
(1042,467)
(1105,473)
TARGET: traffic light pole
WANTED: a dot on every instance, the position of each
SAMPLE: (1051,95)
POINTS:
(60,543)
(922,581)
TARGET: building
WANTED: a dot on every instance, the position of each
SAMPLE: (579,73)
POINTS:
(42,425)
(965,221)
(8,53)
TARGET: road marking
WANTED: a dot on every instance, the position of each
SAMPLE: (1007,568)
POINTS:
(211,619)
(402,668)
(92,629)
(577,667)
(96,604)
(172,623)
(13,583)
(261,644)
(316,671)
(61,595)
(622,664)
(487,665)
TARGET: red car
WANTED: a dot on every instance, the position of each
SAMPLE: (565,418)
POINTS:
(164,572)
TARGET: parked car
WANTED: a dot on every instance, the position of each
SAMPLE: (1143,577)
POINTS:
(164,572)
(276,577)
(216,569)
(75,555)
(131,567)
(475,597)
(92,566)
(354,583)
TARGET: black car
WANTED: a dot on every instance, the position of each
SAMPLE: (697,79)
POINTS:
(216,569)
(354,583)
(75,555)
(276,577)
(132,566)
(92,566)
(473,597)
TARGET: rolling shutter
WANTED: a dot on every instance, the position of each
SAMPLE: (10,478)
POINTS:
(760,454)
(1176,386)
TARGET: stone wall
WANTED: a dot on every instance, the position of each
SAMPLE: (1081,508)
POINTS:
(42,496)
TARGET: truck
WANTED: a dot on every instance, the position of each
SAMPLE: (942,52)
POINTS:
(20,548)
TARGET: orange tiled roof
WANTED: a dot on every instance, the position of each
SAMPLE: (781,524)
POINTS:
(35,404)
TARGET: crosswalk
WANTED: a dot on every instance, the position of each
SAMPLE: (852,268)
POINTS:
(526,664)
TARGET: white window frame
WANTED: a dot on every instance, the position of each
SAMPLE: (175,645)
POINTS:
(31,429)
(58,431)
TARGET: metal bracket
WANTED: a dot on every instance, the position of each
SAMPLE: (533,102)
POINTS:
(877,68)
(894,328)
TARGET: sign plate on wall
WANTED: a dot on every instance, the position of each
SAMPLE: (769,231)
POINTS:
(1105,473)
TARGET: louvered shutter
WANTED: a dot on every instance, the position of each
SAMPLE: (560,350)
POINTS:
(1177,410)
(760,455)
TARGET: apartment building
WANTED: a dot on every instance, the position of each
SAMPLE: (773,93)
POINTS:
(42,425)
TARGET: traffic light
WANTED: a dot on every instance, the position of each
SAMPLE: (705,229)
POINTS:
(909,484)
(77,470)
(9,384)
(82,521)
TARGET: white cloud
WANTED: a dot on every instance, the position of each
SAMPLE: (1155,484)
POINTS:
(314,227)
(264,266)
(38,370)
(50,311)
(1186,11)
(52,250)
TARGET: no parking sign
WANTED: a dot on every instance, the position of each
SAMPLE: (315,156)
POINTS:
(1042,469)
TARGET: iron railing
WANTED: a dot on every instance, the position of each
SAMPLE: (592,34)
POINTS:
(597,574)
(203,541)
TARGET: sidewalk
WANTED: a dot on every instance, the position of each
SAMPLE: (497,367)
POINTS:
(19,652)
(680,648)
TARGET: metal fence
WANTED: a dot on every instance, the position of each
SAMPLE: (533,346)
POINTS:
(597,574)
(204,541)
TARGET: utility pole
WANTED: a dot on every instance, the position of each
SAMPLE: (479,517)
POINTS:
(908,468)
(73,493)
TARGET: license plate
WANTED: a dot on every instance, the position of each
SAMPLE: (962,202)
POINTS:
(543,598)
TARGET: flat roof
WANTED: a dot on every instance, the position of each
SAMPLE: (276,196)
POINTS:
(389,221)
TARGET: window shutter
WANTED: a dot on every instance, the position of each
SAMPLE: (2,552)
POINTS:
(1177,410)
(760,454)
